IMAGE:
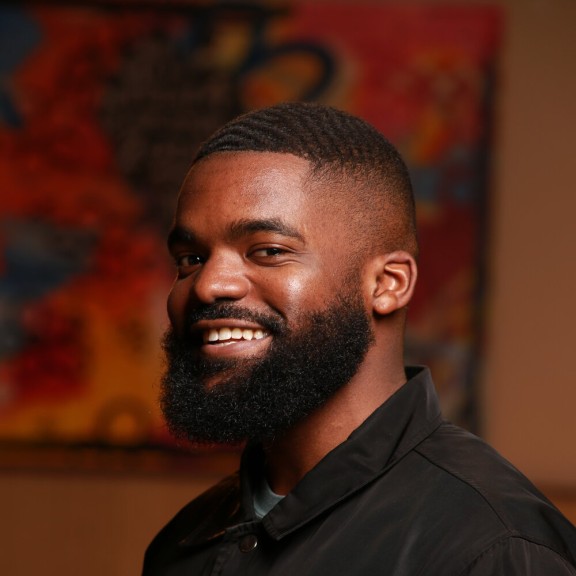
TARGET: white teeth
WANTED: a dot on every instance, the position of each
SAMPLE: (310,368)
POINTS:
(227,334)
(224,334)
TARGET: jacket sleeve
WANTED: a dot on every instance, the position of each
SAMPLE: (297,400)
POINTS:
(519,557)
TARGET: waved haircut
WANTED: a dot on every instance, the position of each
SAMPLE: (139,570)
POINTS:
(362,168)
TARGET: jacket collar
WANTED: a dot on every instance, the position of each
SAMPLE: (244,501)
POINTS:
(393,430)
(401,423)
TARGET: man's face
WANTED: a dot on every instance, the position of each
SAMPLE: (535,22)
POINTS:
(268,320)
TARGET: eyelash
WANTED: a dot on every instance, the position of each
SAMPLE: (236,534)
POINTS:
(270,252)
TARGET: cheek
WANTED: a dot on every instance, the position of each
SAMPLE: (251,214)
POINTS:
(294,294)
(176,305)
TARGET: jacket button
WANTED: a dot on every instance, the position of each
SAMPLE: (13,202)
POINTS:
(248,543)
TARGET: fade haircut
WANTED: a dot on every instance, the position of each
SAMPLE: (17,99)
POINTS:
(363,170)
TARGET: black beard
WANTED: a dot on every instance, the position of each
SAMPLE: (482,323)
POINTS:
(270,393)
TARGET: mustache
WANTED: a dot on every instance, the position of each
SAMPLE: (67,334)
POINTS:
(272,322)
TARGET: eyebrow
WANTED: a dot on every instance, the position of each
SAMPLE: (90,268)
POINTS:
(180,235)
(245,227)
(238,229)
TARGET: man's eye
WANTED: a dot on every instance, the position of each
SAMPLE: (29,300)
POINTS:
(268,252)
(188,260)
(271,255)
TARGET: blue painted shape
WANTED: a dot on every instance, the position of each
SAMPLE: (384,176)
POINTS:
(19,36)
(40,257)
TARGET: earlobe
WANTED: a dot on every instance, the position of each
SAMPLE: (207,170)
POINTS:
(394,280)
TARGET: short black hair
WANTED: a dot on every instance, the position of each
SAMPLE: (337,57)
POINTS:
(340,148)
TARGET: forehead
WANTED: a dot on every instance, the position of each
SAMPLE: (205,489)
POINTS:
(227,186)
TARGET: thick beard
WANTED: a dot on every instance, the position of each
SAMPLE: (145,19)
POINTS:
(267,394)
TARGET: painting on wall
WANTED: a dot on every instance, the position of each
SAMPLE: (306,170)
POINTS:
(102,105)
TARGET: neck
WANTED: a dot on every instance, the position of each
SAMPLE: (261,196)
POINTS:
(293,454)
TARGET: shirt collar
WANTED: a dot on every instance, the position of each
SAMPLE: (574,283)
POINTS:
(401,423)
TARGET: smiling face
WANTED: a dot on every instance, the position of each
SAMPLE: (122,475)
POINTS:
(266,310)
(248,232)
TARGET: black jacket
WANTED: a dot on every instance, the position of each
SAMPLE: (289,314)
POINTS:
(407,494)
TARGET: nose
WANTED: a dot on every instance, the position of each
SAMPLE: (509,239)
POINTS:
(220,278)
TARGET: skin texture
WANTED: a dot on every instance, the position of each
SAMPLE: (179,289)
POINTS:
(251,229)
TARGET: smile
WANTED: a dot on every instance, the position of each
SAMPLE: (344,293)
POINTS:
(229,335)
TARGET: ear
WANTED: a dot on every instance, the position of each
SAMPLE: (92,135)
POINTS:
(393,281)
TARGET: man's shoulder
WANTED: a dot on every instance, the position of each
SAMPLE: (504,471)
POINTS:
(467,456)
(490,489)
(475,464)
(200,520)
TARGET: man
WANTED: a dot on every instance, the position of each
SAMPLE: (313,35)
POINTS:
(295,245)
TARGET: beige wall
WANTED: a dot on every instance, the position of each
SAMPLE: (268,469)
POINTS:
(94,525)
(84,525)
(530,389)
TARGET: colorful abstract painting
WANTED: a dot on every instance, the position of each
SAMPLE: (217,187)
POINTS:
(102,106)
